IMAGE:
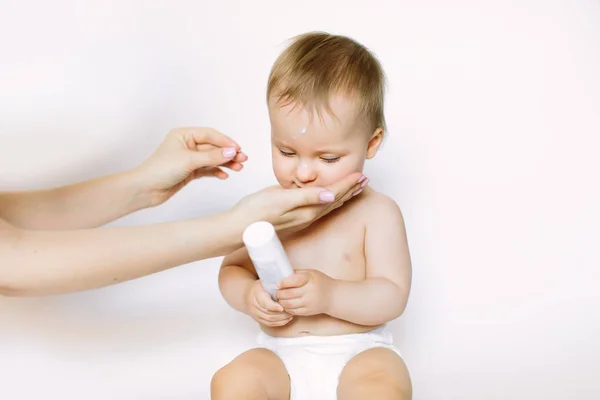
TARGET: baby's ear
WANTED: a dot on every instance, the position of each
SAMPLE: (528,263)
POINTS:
(375,143)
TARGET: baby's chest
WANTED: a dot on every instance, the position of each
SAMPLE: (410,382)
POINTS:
(338,253)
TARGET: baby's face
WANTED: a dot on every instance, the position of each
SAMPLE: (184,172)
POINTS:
(308,150)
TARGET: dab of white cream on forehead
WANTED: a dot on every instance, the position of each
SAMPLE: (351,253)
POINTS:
(303,130)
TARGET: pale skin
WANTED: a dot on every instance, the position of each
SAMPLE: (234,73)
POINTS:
(50,241)
(353,268)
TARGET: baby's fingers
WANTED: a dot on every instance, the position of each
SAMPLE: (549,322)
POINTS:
(292,303)
(274,319)
(270,319)
(266,302)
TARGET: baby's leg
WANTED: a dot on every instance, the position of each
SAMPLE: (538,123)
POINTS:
(255,374)
(377,373)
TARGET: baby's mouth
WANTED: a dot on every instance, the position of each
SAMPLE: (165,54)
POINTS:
(296,185)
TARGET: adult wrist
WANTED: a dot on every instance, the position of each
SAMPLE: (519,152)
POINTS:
(231,227)
(141,194)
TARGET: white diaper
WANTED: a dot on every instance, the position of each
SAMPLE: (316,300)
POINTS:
(315,363)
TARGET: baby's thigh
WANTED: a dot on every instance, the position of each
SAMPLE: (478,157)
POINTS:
(378,371)
(257,373)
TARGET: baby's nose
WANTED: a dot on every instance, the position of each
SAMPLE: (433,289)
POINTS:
(306,173)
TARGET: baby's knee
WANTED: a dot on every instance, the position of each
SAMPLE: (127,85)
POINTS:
(386,380)
(233,381)
(378,384)
(379,371)
(255,374)
(242,376)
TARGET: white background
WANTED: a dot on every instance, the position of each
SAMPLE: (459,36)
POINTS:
(492,154)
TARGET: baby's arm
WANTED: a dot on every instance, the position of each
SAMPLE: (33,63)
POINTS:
(236,277)
(383,295)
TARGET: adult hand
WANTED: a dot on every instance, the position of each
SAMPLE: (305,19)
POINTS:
(291,210)
(187,154)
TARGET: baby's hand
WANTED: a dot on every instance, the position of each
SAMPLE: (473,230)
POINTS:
(263,309)
(305,293)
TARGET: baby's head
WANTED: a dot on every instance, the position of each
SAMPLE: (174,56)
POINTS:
(325,95)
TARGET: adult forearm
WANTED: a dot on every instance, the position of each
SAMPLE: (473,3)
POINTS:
(235,282)
(52,262)
(82,205)
(371,302)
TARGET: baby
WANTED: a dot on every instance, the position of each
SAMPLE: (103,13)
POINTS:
(325,337)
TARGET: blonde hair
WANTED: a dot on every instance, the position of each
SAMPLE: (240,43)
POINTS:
(318,64)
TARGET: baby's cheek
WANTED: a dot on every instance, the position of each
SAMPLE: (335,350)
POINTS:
(281,169)
(336,171)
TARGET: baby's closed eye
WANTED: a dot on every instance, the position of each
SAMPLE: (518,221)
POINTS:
(330,159)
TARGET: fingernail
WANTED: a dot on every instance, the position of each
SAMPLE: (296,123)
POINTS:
(362,178)
(326,197)
(229,152)
(357,192)
(365,183)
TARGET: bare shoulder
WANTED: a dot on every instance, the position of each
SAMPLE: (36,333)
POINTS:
(379,208)
(386,243)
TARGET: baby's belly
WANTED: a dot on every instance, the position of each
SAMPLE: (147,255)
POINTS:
(319,325)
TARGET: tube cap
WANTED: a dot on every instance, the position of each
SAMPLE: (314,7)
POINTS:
(261,240)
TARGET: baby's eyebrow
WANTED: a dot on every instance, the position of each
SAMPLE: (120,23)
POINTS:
(282,138)
(330,150)
(279,143)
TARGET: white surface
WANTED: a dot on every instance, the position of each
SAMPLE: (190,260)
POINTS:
(493,110)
